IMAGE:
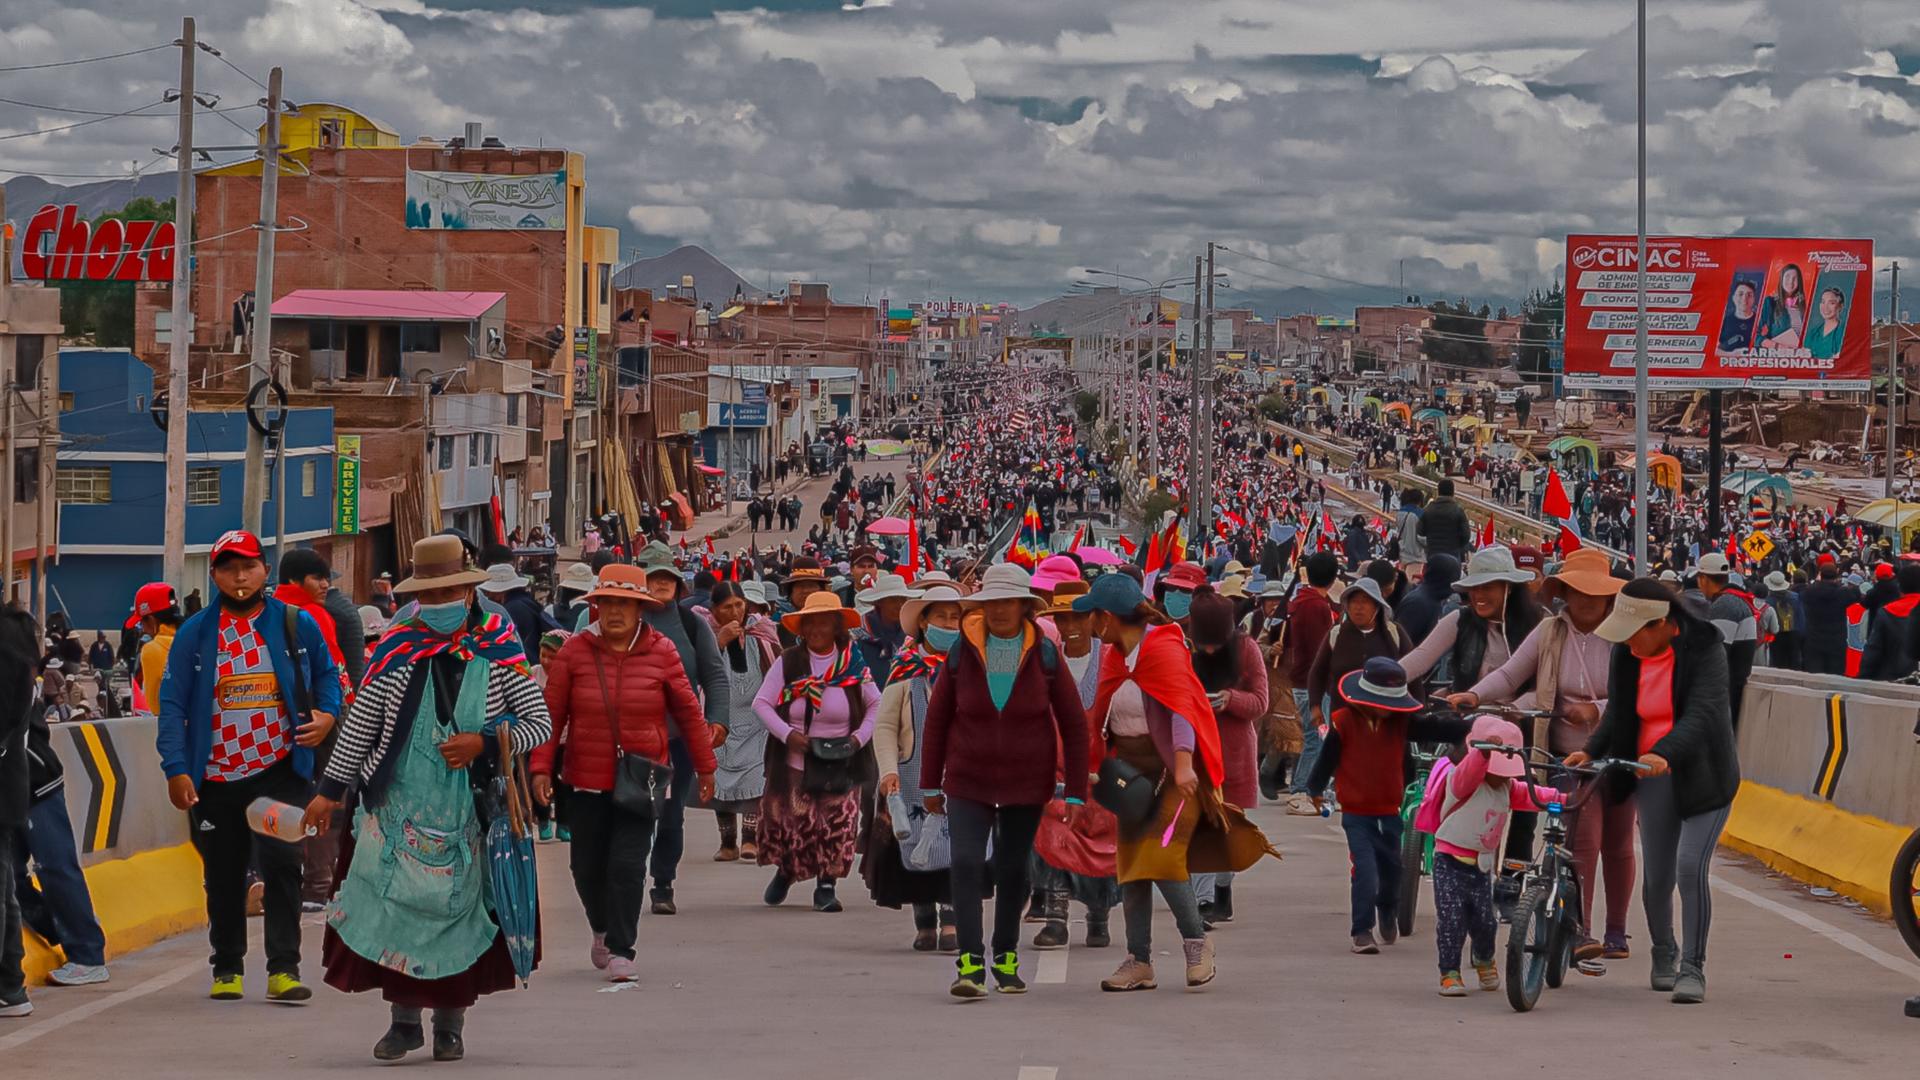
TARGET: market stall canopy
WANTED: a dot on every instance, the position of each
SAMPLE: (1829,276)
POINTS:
(1662,469)
(1570,445)
(1885,511)
(1467,421)
(1372,404)
(1401,409)
(1748,481)
(1439,415)
(1506,451)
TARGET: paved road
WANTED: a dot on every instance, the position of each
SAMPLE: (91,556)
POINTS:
(1799,988)
(812,492)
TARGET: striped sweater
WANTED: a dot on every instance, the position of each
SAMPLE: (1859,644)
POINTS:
(367,736)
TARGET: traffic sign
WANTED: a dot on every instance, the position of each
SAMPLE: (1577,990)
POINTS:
(1757,545)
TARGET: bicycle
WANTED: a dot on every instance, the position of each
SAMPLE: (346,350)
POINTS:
(1533,723)
(1546,919)
(1416,847)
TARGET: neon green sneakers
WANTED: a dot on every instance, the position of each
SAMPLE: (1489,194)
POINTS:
(971,982)
(287,989)
(227,988)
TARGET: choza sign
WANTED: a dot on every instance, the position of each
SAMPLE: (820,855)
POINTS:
(60,245)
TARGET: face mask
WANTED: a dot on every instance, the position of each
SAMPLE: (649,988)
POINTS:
(1178,604)
(444,618)
(942,638)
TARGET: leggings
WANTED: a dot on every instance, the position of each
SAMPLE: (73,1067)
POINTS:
(1012,829)
(1678,851)
(1136,904)
(1463,908)
(1603,833)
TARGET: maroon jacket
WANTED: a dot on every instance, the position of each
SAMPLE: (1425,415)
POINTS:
(1240,725)
(647,683)
(1309,618)
(1011,756)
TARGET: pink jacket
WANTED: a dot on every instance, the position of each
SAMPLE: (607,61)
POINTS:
(1470,774)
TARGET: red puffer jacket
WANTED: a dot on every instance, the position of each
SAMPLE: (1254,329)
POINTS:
(646,683)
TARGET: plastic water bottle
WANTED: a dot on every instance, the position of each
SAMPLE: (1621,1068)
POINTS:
(270,817)
(897,810)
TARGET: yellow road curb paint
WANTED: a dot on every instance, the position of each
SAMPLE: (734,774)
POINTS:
(1816,842)
(139,900)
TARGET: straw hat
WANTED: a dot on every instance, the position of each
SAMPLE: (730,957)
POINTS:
(821,603)
(1232,587)
(1587,571)
(621,582)
(439,562)
(913,610)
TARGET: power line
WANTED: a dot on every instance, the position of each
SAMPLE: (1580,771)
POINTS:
(135,111)
(87,59)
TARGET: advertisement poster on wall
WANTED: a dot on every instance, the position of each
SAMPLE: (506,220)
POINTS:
(453,200)
(1722,312)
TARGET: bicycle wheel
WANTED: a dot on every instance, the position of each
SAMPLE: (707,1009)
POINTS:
(1559,946)
(1528,942)
(1412,848)
(1904,891)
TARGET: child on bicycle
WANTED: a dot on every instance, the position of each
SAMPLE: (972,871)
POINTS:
(1365,754)
(1481,791)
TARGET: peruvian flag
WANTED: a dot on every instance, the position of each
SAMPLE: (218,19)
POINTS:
(1487,538)
(912,568)
(1126,545)
(1079,534)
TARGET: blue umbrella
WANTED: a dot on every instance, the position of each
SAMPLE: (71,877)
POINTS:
(511,873)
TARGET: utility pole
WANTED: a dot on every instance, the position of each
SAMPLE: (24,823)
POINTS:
(1893,392)
(284,370)
(1193,404)
(261,369)
(1204,533)
(7,482)
(174,562)
(1640,515)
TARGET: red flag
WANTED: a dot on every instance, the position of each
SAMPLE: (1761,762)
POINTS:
(1733,552)
(1487,538)
(1126,545)
(1155,556)
(1555,503)
(1079,533)
(912,568)
(1569,541)
(733,570)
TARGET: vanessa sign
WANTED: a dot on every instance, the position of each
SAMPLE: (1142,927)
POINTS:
(60,245)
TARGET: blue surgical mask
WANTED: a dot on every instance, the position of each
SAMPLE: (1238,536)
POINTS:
(1178,603)
(942,638)
(444,618)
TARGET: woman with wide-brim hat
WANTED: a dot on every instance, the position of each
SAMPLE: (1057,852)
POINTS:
(1565,661)
(1004,726)
(412,916)
(931,622)
(818,705)
(750,645)
(614,690)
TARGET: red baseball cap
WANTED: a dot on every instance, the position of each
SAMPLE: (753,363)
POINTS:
(1825,559)
(1883,571)
(1527,557)
(153,597)
(236,542)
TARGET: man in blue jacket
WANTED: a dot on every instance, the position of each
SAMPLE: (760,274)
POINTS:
(243,704)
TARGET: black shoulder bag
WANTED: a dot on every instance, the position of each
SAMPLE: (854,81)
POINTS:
(640,786)
(833,765)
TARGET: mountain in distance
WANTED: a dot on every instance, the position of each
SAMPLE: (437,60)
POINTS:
(713,280)
(27,194)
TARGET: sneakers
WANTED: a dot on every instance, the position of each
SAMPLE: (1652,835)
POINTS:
(949,940)
(227,988)
(1690,985)
(727,854)
(1098,937)
(312,907)
(1364,945)
(1588,949)
(1036,907)
(970,980)
(1132,974)
(621,970)
(1200,969)
(597,952)
(1389,926)
(1489,974)
(663,900)
(825,901)
(1615,948)
(1666,968)
(287,989)
(1006,974)
(1223,903)
(399,1040)
(563,834)
(546,831)
(1301,805)
(15,1004)
(777,890)
(1451,985)
(72,974)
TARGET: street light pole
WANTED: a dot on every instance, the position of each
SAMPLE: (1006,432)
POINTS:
(1640,515)
(1893,392)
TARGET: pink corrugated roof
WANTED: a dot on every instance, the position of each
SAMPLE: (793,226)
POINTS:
(375,304)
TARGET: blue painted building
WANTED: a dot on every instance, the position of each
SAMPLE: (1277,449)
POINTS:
(111,483)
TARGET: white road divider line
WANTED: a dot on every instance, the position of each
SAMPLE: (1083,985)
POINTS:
(99,1005)
(1052,970)
(1852,942)
(1038,1072)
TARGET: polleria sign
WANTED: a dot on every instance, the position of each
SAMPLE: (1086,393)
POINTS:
(60,245)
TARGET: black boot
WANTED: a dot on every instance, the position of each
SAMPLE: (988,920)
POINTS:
(823,898)
(663,900)
(447,1025)
(777,889)
(1223,903)
(403,1037)
(1097,935)
(1037,907)
(1054,934)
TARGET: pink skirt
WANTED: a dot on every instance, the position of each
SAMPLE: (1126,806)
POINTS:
(808,836)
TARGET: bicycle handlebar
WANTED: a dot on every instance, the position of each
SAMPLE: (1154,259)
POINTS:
(1588,773)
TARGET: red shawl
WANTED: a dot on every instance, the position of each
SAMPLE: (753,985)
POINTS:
(1164,672)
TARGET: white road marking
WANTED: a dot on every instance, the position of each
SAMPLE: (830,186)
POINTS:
(1038,1072)
(94,1008)
(1851,942)
(1053,969)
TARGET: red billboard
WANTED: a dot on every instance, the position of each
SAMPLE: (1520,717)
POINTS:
(60,245)
(1722,312)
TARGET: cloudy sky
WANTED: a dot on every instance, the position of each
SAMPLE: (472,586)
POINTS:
(988,148)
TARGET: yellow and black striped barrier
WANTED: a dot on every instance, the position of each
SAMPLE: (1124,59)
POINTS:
(107,799)
(1827,780)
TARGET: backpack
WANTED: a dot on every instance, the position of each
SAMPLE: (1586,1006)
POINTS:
(1433,798)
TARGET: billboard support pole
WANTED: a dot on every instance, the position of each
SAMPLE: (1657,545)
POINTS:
(1640,564)
(1893,395)
(1716,454)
